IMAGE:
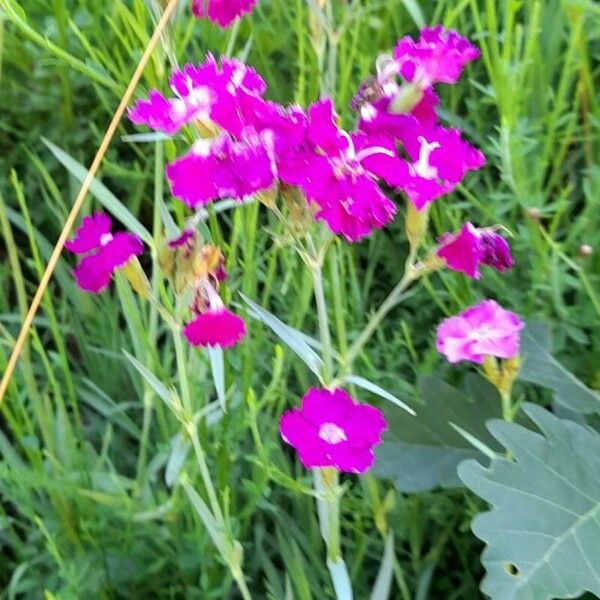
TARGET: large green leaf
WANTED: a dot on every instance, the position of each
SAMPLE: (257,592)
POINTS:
(540,367)
(543,531)
(422,453)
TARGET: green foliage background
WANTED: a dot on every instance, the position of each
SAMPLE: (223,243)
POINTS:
(86,511)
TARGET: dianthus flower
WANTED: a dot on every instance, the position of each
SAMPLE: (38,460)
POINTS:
(439,160)
(222,12)
(332,172)
(483,330)
(438,56)
(223,168)
(218,327)
(213,324)
(209,92)
(384,106)
(471,247)
(331,430)
(105,252)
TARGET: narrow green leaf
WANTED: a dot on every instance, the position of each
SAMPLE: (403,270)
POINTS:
(215,356)
(365,384)
(161,390)
(223,545)
(383,582)
(102,194)
(179,450)
(287,335)
(414,10)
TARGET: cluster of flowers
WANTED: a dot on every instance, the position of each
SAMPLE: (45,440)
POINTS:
(246,144)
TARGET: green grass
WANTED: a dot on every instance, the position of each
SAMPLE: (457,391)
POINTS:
(85,440)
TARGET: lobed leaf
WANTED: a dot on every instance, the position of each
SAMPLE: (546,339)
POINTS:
(542,533)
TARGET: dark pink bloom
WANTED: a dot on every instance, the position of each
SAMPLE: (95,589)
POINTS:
(223,168)
(224,93)
(438,57)
(105,252)
(331,430)
(222,12)
(332,172)
(439,159)
(215,327)
(471,246)
(194,90)
(482,330)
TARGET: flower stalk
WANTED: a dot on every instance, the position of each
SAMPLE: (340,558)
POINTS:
(326,480)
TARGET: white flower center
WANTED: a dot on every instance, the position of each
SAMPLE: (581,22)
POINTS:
(481,334)
(422,167)
(202,147)
(105,238)
(332,434)
(199,96)
(368,112)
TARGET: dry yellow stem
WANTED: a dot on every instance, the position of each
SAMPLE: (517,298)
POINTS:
(106,140)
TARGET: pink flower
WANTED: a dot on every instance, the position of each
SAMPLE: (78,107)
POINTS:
(482,330)
(222,12)
(471,246)
(329,166)
(438,57)
(105,252)
(215,327)
(223,168)
(378,120)
(194,98)
(439,160)
(331,430)
(223,93)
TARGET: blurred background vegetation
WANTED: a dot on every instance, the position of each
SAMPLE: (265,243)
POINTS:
(85,510)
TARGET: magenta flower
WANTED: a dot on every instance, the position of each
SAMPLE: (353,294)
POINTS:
(438,57)
(482,330)
(330,167)
(223,168)
(194,98)
(219,327)
(222,12)
(222,92)
(105,252)
(439,160)
(471,246)
(331,430)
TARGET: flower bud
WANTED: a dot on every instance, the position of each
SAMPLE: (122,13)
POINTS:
(137,278)
(415,225)
(585,250)
(407,97)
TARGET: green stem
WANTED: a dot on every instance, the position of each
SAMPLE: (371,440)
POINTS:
(393,299)
(507,410)
(192,431)
(324,333)
(153,316)
(326,480)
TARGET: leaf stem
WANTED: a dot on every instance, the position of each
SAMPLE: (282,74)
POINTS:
(393,299)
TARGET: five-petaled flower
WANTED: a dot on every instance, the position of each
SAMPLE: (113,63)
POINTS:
(331,430)
(104,252)
(483,330)
(222,12)
(438,56)
(473,246)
